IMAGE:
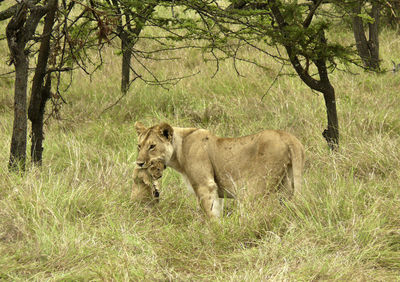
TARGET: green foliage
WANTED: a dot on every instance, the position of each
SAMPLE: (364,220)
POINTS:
(366,18)
(254,25)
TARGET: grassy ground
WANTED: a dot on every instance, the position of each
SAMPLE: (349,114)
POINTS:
(72,219)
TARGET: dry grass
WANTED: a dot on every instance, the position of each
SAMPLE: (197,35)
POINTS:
(72,219)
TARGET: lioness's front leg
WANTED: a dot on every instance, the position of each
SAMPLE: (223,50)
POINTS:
(208,198)
(201,179)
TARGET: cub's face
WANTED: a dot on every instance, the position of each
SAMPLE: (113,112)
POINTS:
(156,168)
(154,143)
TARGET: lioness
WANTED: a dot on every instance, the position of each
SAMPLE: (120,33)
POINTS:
(217,167)
(145,181)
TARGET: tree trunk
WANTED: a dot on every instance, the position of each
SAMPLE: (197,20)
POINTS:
(40,92)
(18,139)
(373,42)
(126,46)
(128,33)
(331,133)
(19,31)
(14,32)
(368,50)
(37,119)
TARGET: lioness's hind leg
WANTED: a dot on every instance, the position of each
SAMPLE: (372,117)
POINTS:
(298,159)
(287,183)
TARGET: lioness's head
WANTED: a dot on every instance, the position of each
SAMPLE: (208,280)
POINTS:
(154,143)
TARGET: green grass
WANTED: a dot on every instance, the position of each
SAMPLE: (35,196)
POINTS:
(72,219)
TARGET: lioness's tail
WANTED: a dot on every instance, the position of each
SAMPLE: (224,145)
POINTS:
(298,159)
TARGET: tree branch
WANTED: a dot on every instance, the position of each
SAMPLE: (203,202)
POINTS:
(310,15)
(311,82)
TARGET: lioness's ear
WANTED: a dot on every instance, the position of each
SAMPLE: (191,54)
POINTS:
(166,131)
(139,127)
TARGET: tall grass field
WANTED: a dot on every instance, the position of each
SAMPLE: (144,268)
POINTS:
(72,219)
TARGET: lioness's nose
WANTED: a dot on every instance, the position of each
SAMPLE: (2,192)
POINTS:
(140,164)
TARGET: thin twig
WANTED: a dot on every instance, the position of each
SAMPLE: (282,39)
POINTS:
(117,101)
(276,77)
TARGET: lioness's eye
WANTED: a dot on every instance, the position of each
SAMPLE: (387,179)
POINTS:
(152,146)
(138,147)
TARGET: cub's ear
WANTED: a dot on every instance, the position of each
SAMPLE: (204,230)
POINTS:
(166,131)
(139,127)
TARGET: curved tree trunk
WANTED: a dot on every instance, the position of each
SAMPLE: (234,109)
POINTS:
(323,85)
(331,133)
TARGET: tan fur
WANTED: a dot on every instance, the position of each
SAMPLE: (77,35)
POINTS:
(145,181)
(217,167)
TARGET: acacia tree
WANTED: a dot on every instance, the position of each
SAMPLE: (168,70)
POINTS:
(267,25)
(131,20)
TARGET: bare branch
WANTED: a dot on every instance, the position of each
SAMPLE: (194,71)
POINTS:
(118,100)
(272,83)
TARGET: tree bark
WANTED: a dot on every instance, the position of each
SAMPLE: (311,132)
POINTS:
(19,31)
(368,49)
(14,31)
(40,92)
(37,135)
(126,46)
(18,139)
(374,35)
(331,133)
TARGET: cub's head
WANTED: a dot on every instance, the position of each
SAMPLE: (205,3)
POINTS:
(154,143)
(156,168)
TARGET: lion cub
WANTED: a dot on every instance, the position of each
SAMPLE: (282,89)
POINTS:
(146,185)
